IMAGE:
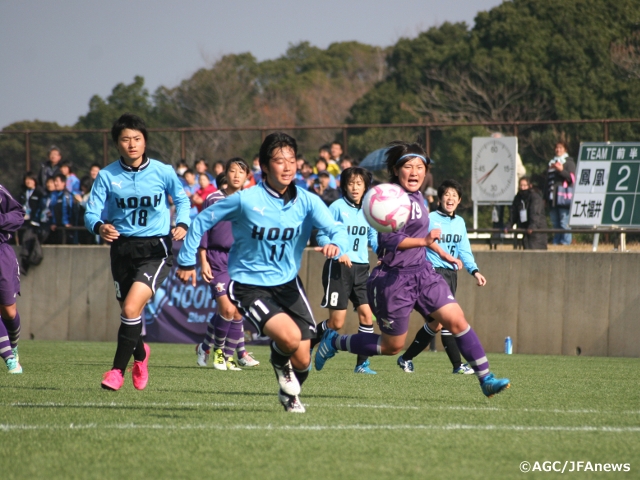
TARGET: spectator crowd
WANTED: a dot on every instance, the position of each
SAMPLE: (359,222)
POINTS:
(56,197)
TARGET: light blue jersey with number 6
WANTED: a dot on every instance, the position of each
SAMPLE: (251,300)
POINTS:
(453,240)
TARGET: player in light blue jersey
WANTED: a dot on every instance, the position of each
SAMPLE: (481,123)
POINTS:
(135,192)
(453,240)
(271,225)
(345,278)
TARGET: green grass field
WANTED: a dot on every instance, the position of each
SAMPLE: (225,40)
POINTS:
(56,421)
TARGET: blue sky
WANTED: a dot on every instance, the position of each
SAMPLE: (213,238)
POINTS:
(56,55)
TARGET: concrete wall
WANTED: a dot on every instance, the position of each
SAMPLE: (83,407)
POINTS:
(548,302)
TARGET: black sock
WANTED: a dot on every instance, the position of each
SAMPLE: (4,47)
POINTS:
(139,354)
(320,329)
(128,336)
(362,328)
(451,347)
(422,340)
(278,357)
(302,375)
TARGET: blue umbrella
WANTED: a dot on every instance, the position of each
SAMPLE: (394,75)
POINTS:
(376,160)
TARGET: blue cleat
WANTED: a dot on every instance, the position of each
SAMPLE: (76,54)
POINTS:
(364,368)
(13,366)
(491,385)
(405,365)
(326,350)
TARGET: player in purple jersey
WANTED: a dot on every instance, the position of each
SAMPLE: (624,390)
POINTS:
(11,219)
(405,281)
(225,330)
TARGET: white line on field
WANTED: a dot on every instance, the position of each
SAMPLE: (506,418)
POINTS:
(133,426)
(323,405)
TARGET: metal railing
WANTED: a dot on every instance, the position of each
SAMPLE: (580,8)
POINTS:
(263,130)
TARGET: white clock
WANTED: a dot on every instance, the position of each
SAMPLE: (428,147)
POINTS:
(493,169)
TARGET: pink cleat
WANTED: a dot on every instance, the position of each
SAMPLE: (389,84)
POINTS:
(112,380)
(140,372)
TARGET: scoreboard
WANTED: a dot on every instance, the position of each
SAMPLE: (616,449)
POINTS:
(607,187)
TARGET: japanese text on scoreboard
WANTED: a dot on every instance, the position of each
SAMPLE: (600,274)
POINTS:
(607,188)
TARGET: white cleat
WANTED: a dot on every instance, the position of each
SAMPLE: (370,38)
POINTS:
(287,379)
(291,403)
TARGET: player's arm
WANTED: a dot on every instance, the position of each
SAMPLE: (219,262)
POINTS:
(372,236)
(333,229)
(323,239)
(95,206)
(207,275)
(466,255)
(181,201)
(13,219)
(209,217)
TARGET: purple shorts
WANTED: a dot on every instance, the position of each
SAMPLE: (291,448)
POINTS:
(220,282)
(9,275)
(395,293)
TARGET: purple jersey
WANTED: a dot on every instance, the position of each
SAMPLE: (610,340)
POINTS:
(416,227)
(11,215)
(218,240)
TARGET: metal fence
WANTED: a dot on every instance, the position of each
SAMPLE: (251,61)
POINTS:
(262,131)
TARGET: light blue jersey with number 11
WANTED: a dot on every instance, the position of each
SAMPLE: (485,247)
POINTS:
(269,236)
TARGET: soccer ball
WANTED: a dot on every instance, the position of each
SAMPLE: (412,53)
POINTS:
(386,207)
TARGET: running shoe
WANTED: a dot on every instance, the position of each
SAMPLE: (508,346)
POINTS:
(326,350)
(287,379)
(112,380)
(291,403)
(14,350)
(219,362)
(364,368)
(491,385)
(248,360)
(464,369)
(140,370)
(203,355)
(405,365)
(13,366)
(232,365)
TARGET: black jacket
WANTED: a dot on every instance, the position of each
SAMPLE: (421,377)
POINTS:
(556,178)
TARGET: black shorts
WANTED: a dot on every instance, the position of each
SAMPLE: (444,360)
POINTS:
(260,303)
(147,260)
(342,284)
(451,277)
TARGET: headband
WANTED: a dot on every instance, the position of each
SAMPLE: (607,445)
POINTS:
(424,159)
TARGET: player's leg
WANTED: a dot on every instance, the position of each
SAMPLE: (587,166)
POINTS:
(420,342)
(391,297)
(245,359)
(365,325)
(234,338)
(451,317)
(335,298)
(7,353)
(222,351)
(10,324)
(263,308)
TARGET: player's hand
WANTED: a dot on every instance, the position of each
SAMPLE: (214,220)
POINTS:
(346,260)
(207,276)
(456,262)
(185,275)
(480,279)
(329,250)
(558,166)
(433,235)
(178,233)
(108,232)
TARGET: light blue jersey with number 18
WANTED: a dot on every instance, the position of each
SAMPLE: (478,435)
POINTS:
(269,236)
(137,199)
